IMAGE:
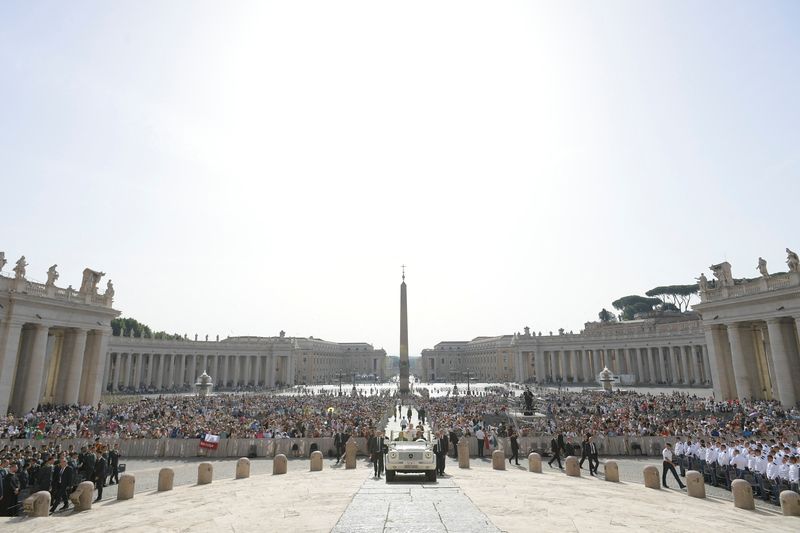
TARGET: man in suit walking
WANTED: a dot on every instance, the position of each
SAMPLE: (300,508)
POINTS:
(44,476)
(113,462)
(514,448)
(65,479)
(585,450)
(440,449)
(594,461)
(556,451)
(376,452)
(100,473)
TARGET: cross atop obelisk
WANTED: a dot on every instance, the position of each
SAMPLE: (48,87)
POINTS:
(403,389)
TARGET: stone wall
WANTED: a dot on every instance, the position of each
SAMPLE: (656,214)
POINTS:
(149,448)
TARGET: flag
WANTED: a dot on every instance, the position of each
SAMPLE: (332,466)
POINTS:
(210,441)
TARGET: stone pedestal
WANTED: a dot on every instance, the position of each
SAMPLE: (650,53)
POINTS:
(37,504)
(350,450)
(498,460)
(651,479)
(166,477)
(243,468)
(463,452)
(126,486)
(695,484)
(742,494)
(81,498)
(205,473)
(611,469)
(316,461)
(571,467)
(279,465)
(535,463)
(790,503)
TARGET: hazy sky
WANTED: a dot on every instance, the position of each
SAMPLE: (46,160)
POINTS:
(238,168)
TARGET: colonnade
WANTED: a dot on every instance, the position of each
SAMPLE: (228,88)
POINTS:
(166,371)
(756,359)
(44,363)
(680,365)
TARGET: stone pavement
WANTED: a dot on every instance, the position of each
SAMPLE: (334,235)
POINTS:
(414,507)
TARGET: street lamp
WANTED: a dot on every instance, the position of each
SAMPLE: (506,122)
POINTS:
(340,375)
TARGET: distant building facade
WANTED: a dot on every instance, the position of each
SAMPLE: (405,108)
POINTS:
(668,351)
(236,362)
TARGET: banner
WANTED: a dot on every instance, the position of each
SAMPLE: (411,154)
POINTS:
(210,442)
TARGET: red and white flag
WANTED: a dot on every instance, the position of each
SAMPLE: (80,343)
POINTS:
(210,441)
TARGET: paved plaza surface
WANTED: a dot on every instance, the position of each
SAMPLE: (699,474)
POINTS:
(412,505)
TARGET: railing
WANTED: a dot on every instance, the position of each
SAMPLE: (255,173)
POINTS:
(755,286)
(34,288)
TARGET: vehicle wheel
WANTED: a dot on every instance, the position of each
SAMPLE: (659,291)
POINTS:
(430,475)
(389,476)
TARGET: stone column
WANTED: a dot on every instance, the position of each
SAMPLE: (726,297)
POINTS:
(74,366)
(743,356)
(158,370)
(138,374)
(271,370)
(587,373)
(223,371)
(191,377)
(782,354)
(566,371)
(167,367)
(662,365)
(10,334)
(32,391)
(674,366)
(687,354)
(699,375)
(718,355)
(641,360)
(147,360)
(597,364)
(706,360)
(95,357)
(576,365)
(107,372)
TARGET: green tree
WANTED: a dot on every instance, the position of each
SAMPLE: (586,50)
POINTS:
(130,327)
(606,315)
(680,295)
(633,304)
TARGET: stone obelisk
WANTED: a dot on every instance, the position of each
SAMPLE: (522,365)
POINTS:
(403,337)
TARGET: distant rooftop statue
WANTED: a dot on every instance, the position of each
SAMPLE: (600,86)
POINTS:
(19,269)
(52,276)
(762,267)
(90,280)
(792,261)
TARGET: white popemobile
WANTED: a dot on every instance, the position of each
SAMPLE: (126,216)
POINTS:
(410,457)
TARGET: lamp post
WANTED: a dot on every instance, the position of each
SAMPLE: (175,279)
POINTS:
(340,375)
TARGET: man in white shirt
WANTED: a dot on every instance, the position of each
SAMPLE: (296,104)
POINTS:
(680,452)
(794,473)
(739,462)
(668,465)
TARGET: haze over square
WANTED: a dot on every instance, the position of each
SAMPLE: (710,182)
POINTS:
(528,162)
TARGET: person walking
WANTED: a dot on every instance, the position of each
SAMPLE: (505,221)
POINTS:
(514,448)
(556,451)
(440,449)
(376,453)
(100,473)
(113,463)
(668,465)
(480,435)
(584,450)
(65,479)
(594,460)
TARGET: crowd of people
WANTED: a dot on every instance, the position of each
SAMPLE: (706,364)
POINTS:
(756,440)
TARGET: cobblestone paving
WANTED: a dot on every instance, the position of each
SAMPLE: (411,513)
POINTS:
(412,506)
